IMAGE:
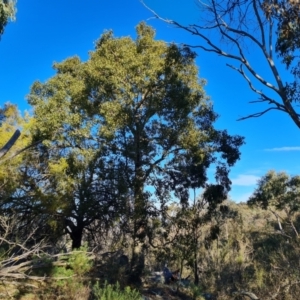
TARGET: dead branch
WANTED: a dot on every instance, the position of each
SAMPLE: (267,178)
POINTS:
(231,22)
(247,294)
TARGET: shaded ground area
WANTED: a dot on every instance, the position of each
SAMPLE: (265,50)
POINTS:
(164,293)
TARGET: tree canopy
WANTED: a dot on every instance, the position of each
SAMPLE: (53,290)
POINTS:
(278,191)
(129,128)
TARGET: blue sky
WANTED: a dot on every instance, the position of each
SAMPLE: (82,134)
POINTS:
(50,31)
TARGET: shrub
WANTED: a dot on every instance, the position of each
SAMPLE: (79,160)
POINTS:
(79,261)
(113,292)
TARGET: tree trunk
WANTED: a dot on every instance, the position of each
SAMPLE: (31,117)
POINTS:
(75,232)
(196,276)
(195,246)
(137,265)
(76,237)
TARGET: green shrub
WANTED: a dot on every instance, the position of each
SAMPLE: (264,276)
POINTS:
(79,261)
(66,278)
(113,292)
(63,273)
(195,291)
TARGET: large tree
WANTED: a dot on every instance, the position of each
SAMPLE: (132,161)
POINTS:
(136,112)
(271,28)
(162,123)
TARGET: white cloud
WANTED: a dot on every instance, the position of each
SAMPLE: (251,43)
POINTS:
(245,180)
(284,149)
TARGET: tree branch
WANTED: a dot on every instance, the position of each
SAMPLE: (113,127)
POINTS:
(10,143)
(218,13)
(20,151)
(256,115)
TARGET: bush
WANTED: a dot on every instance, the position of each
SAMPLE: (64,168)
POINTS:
(79,261)
(195,291)
(113,292)
(66,275)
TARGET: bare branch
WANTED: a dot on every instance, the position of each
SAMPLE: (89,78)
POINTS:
(261,27)
(265,98)
(237,13)
(271,39)
(193,29)
(256,115)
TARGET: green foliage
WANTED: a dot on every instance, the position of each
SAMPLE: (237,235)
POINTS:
(65,275)
(196,292)
(278,190)
(286,14)
(10,121)
(113,292)
(62,276)
(79,261)
(74,264)
(134,115)
(190,231)
(7,12)
(260,275)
